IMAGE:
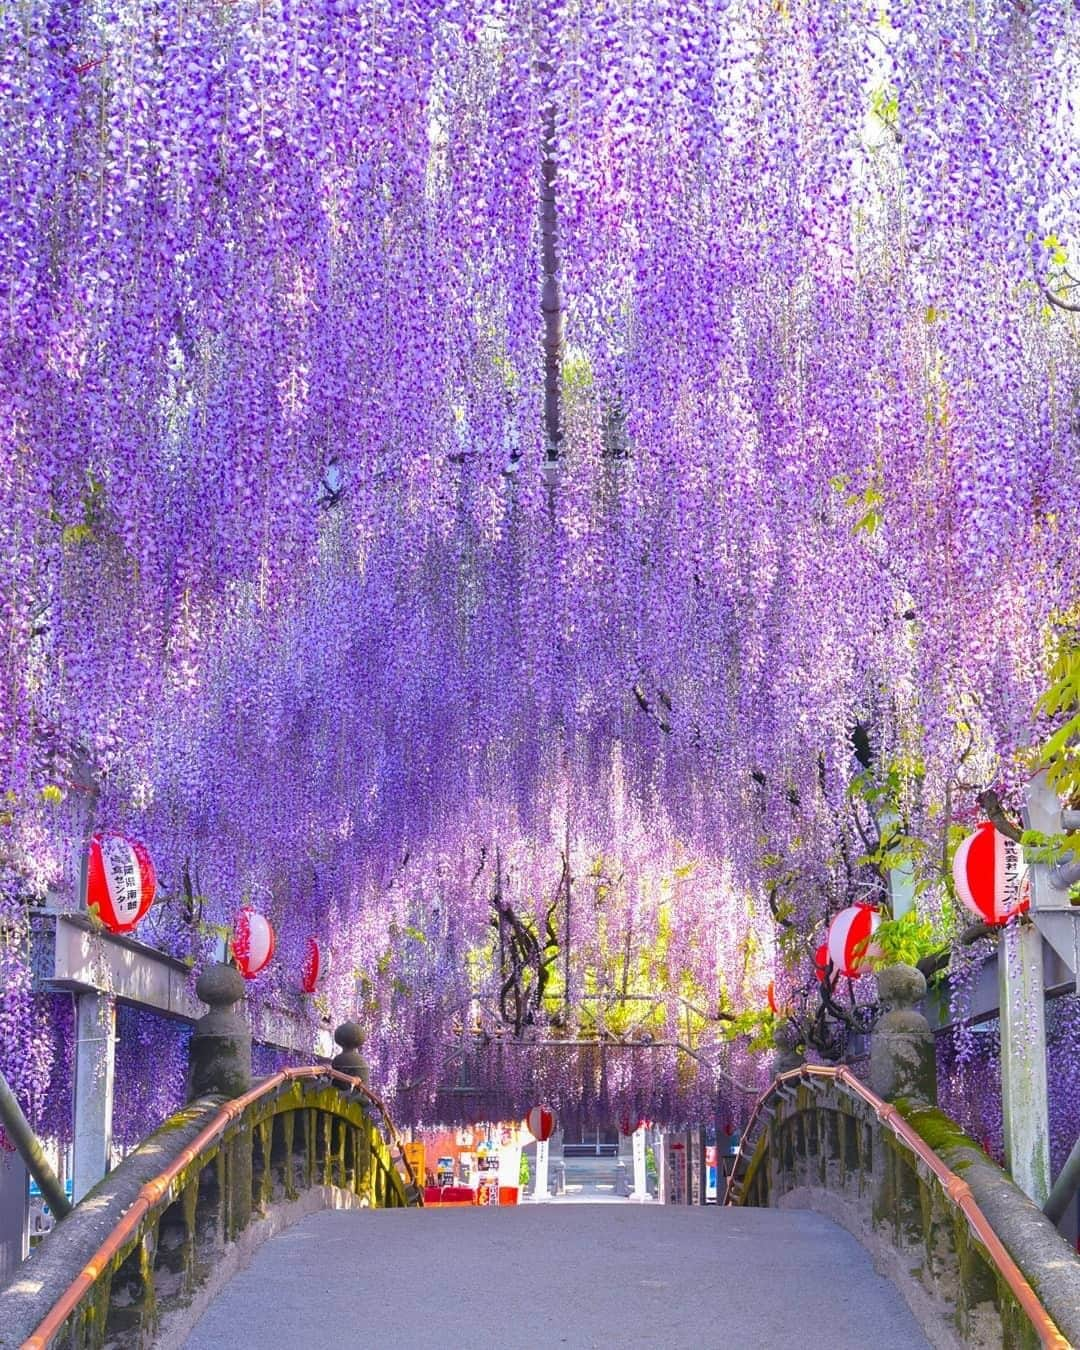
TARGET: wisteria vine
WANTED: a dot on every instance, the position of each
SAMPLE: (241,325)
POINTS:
(296,589)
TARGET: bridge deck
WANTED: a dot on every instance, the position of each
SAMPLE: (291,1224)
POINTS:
(578,1277)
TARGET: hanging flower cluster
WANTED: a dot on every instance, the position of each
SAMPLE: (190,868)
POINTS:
(299,590)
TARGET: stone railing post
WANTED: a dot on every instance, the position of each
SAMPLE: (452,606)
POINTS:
(350,1036)
(785,1038)
(219,1059)
(902,1062)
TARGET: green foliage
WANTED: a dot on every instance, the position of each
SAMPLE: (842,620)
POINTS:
(524,1172)
(866,504)
(1060,752)
(87,530)
(904,941)
(883,790)
(885,105)
(577,371)
(758,1025)
(1050,848)
(1058,255)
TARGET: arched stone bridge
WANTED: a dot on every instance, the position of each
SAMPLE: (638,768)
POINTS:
(158,1243)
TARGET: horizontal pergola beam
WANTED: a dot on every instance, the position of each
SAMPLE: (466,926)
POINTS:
(71,954)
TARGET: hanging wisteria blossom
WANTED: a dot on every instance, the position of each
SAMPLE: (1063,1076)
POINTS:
(552,498)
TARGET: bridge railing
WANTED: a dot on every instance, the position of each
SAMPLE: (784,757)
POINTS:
(152,1244)
(975,1259)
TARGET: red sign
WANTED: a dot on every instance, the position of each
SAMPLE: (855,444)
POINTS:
(120,881)
(541,1123)
(991,875)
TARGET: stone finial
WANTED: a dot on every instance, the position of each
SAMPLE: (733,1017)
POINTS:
(902,1062)
(219,1057)
(350,1036)
(785,1039)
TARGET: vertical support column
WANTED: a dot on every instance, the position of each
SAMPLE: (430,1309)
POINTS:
(14,1210)
(661,1168)
(1023,1060)
(902,878)
(678,1172)
(695,1149)
(637,1139)
(540,1187)
(95,1064)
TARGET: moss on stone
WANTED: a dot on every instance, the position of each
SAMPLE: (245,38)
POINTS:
(939,1131)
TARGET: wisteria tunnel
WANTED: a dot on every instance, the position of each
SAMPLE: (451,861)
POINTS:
(544,534)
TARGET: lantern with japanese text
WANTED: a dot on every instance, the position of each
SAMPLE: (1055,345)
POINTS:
(120,881)
(991,876)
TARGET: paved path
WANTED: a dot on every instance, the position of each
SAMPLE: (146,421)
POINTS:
(545,1277)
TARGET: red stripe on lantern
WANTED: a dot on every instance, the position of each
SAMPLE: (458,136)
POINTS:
(849,948)
(313,969)
(253,942)
(541,1123)
(990,875)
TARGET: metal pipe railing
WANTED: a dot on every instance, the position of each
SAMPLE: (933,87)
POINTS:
(19,1131)
(1065,1187)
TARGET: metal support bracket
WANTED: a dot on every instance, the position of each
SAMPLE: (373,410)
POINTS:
(1057,919)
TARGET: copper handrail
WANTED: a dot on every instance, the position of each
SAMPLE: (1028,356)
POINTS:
(152,1191)
(958,1190)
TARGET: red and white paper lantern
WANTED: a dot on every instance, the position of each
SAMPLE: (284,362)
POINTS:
(316,966)
(848,945)
(253,942)
(821,963)
(120,881)
(541,1123)
(991,875)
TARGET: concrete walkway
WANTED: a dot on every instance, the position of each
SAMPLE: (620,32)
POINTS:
(545,1277)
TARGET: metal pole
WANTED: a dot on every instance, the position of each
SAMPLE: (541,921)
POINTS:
(1065,1187)
(18,1130)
